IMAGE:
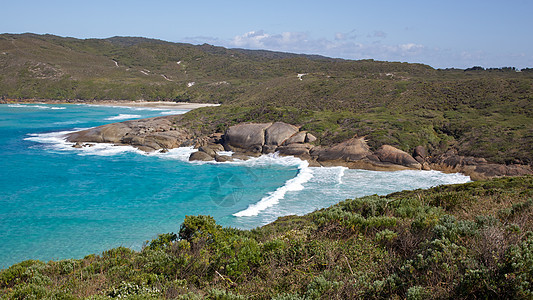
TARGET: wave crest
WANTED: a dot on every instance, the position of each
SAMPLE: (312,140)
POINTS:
(295,184)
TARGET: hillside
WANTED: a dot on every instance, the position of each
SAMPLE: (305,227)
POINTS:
(466,241)
(481,113)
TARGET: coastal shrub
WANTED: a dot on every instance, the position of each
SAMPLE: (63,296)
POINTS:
(516,209)
(157,262)
(29,291)
(18,273)
(194,228)
(368,206)
(133,291)
(440,264)
(386,236)
(448,227)
(393,247)
(320,286)
(238,255)
(65,267)
(162,241)
(449,200)
(427,220)
(518,269)
(217,294)
(286,296)
(417,293)
(353,220)
(274,246)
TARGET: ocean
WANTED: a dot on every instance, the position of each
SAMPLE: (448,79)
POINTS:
(60,202)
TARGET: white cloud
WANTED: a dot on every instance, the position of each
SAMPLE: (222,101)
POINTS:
(286,41)
(346,45)
(342,45)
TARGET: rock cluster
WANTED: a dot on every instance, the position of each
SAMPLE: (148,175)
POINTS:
(247,140)
(146,134)
(253,139)
(477,168)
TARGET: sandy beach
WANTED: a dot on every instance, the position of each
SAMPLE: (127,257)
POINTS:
(153,104)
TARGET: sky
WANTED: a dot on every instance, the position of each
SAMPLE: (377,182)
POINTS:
(442,34)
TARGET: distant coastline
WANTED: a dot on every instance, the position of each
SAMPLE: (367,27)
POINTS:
(128,103)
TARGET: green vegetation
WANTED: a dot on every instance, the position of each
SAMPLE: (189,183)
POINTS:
(482,113)
(462,241)
(473,240)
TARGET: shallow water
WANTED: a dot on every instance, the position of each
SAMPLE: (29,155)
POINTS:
(61,202)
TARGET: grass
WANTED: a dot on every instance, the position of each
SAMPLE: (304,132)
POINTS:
(458,241)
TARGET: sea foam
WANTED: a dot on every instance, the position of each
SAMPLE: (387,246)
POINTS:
(35,106)
(174,112)
(123,117)
(295,184)
(57,141)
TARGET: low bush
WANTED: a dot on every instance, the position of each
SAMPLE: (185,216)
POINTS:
(403,245)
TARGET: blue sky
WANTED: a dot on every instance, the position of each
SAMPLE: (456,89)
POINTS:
(439,33)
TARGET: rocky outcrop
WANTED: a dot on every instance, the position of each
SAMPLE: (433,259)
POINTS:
(146,134)
(110,133)
(420,154)
(295,149)
(287,140)
(350,150)
(200,156)
(253,139)
(278,133)
(475,167)
(298,138)
(246,136)
(390,154)
(309,138)
(223,158)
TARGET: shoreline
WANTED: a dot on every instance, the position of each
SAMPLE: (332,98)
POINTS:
(125,103)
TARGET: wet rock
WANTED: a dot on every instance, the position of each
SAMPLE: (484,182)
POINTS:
(200,156)
(110,133)
(223,158)
(152,133)
(217,147)
(240,156)
(208,150)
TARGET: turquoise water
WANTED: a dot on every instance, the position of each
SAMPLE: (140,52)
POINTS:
(60,202)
